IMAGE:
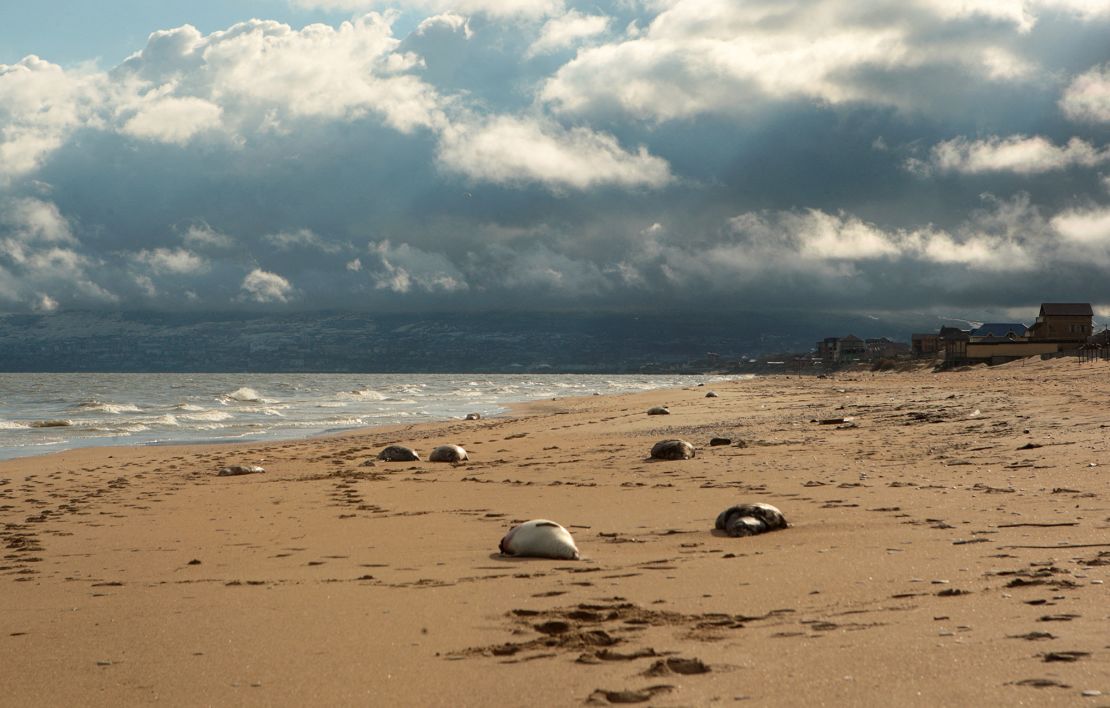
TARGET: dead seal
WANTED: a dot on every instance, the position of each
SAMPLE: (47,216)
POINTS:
(473,416)
(672,450)
(236,470)
(398,453)
(750,519)
(658,410)
(711,394)
(539,538)
(448,453)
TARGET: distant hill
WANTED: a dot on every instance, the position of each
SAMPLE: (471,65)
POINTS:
(360,342)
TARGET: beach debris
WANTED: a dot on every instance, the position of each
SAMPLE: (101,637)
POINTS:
(831,421)
(711,394)
(720,441)
(50,424)
(658,410)
(672,450)
(473,416)
(236,470)
(677,665)
(750,519)
(448,453)
(603,696)
(1030,446)
(398,453)
(539,538)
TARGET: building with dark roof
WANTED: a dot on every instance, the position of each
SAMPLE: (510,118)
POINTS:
(999,330)
(1065,322)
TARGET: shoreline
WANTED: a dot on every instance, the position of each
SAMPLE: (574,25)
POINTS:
(922,541)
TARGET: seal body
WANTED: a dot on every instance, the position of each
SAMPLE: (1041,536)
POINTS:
(448,453)
(672,450)
(236,470)
(473,416)
(398,453)
(750,519)
(711,394)
(539,538)
(658,410)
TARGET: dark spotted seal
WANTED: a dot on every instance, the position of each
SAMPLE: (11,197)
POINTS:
(750,519)
(539,538)
(672,450)
(448,453)
(398,453)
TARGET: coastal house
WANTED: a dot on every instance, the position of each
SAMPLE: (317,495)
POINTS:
(924,345)
(952,342)
(1059,327)
(1063,322)
(842,348)
(884,347)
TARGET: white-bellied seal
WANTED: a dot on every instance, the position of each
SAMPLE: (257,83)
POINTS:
(473,416)
(448,453)
(672,450)
(398,453)
(539,538)
(658,410)
(236,470)
(750,519)
(711,394)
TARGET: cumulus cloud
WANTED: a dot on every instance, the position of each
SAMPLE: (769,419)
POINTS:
(165,260)
(204,236)
(404,268)
(1017,153)
(1087,97)
(492,8)
(721,57)
(513,150)
(567,31)
(265,287)
(40,106)
(28,219)
(301,239)
(173,120)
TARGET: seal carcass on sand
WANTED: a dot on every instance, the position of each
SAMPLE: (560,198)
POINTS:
(672,450)
(658,410)
(750,519)
(398,453)
(539,538)
(448,453)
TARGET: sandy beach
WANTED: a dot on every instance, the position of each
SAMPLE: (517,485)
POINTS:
(949,545)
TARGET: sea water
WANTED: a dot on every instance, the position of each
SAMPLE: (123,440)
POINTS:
(41,413)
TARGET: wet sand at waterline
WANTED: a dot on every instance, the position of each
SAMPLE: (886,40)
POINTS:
(948,545)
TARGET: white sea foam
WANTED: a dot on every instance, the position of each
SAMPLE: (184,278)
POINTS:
(115,408)
(212,416)
(246,395)
(363,394)
(12,425)
(167,419)
(188,407)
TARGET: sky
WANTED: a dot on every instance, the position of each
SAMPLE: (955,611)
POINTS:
(865,156)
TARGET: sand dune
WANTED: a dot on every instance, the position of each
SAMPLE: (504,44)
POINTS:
(948,545)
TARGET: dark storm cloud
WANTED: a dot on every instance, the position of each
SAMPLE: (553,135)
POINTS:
(944,156)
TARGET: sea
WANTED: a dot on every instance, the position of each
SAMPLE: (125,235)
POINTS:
(43,413)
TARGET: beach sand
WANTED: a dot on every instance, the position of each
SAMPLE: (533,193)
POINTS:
(930,560)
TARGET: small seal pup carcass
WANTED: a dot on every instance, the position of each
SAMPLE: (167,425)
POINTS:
(750,519)
(236,470)
(448,453)
(672,450)
(539,538)
(658,410)
(398,453)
